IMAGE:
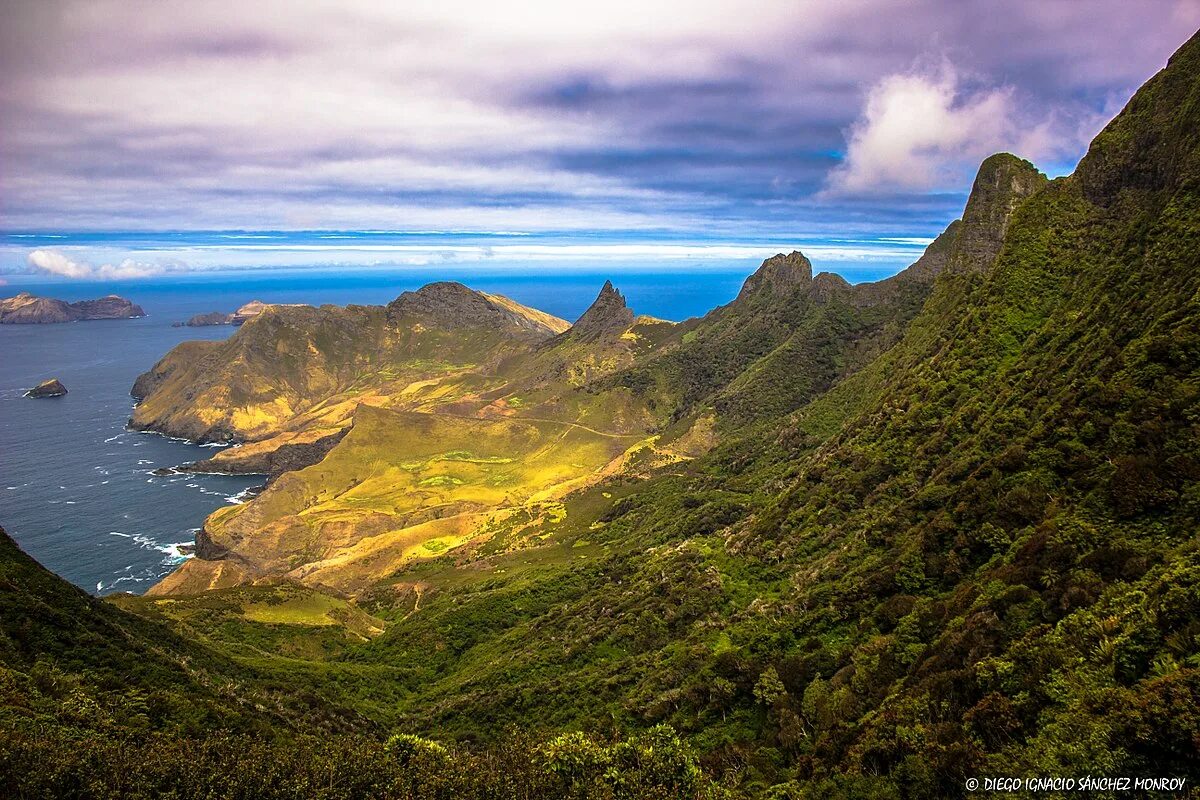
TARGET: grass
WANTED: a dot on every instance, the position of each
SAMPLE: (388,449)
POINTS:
(369,501)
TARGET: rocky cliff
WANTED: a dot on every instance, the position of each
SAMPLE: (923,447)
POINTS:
(48,388)
(25,308)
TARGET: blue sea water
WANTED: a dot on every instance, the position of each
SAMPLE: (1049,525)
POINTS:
(77,490)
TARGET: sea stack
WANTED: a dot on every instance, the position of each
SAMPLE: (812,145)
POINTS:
(50,388)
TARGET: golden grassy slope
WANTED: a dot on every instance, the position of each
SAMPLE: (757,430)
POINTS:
(401,485)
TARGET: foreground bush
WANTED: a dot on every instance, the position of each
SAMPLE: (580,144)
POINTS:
(53,761)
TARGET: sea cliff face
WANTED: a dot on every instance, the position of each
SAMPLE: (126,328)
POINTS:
(25,308)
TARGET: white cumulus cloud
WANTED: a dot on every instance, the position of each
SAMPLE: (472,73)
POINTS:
(921,130)
(58,263)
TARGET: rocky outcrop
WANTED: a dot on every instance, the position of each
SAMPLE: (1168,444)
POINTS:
(251,310)
(207,549)
(607,314)
(452,306)
(240,317)
(779,274)
(205,320)
(50,388)
(28,309)
(265,461)
(1002,182)
(970,244)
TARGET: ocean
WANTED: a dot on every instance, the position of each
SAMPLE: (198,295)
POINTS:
(77,490)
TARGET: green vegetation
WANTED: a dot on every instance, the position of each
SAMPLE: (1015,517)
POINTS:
(99,703)
(828,541)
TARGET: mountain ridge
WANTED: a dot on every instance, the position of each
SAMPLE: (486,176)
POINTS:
(813,332)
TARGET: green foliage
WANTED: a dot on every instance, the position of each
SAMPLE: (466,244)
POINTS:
(653,764)
(61,761)
(966,546)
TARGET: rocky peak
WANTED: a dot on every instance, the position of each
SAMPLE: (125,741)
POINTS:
(446,301)
(1002,182)
(1154,143)
(828,285)
(779,273)
(247,312)
(451,305)
(607,314)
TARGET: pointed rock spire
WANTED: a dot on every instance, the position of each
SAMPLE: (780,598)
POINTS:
(1002,182)
(779,273)
(608,313)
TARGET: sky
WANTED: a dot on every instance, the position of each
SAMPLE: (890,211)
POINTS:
(691,130)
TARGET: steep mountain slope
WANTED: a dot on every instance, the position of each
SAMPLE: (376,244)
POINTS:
(977,556)
(1018,505)
(298,367)
(788,336)
(99,703)
(960,540)
(67,658)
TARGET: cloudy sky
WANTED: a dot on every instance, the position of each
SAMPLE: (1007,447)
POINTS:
(637,121)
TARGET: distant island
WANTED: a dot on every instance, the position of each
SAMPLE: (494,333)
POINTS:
(247,312)
(29,309)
